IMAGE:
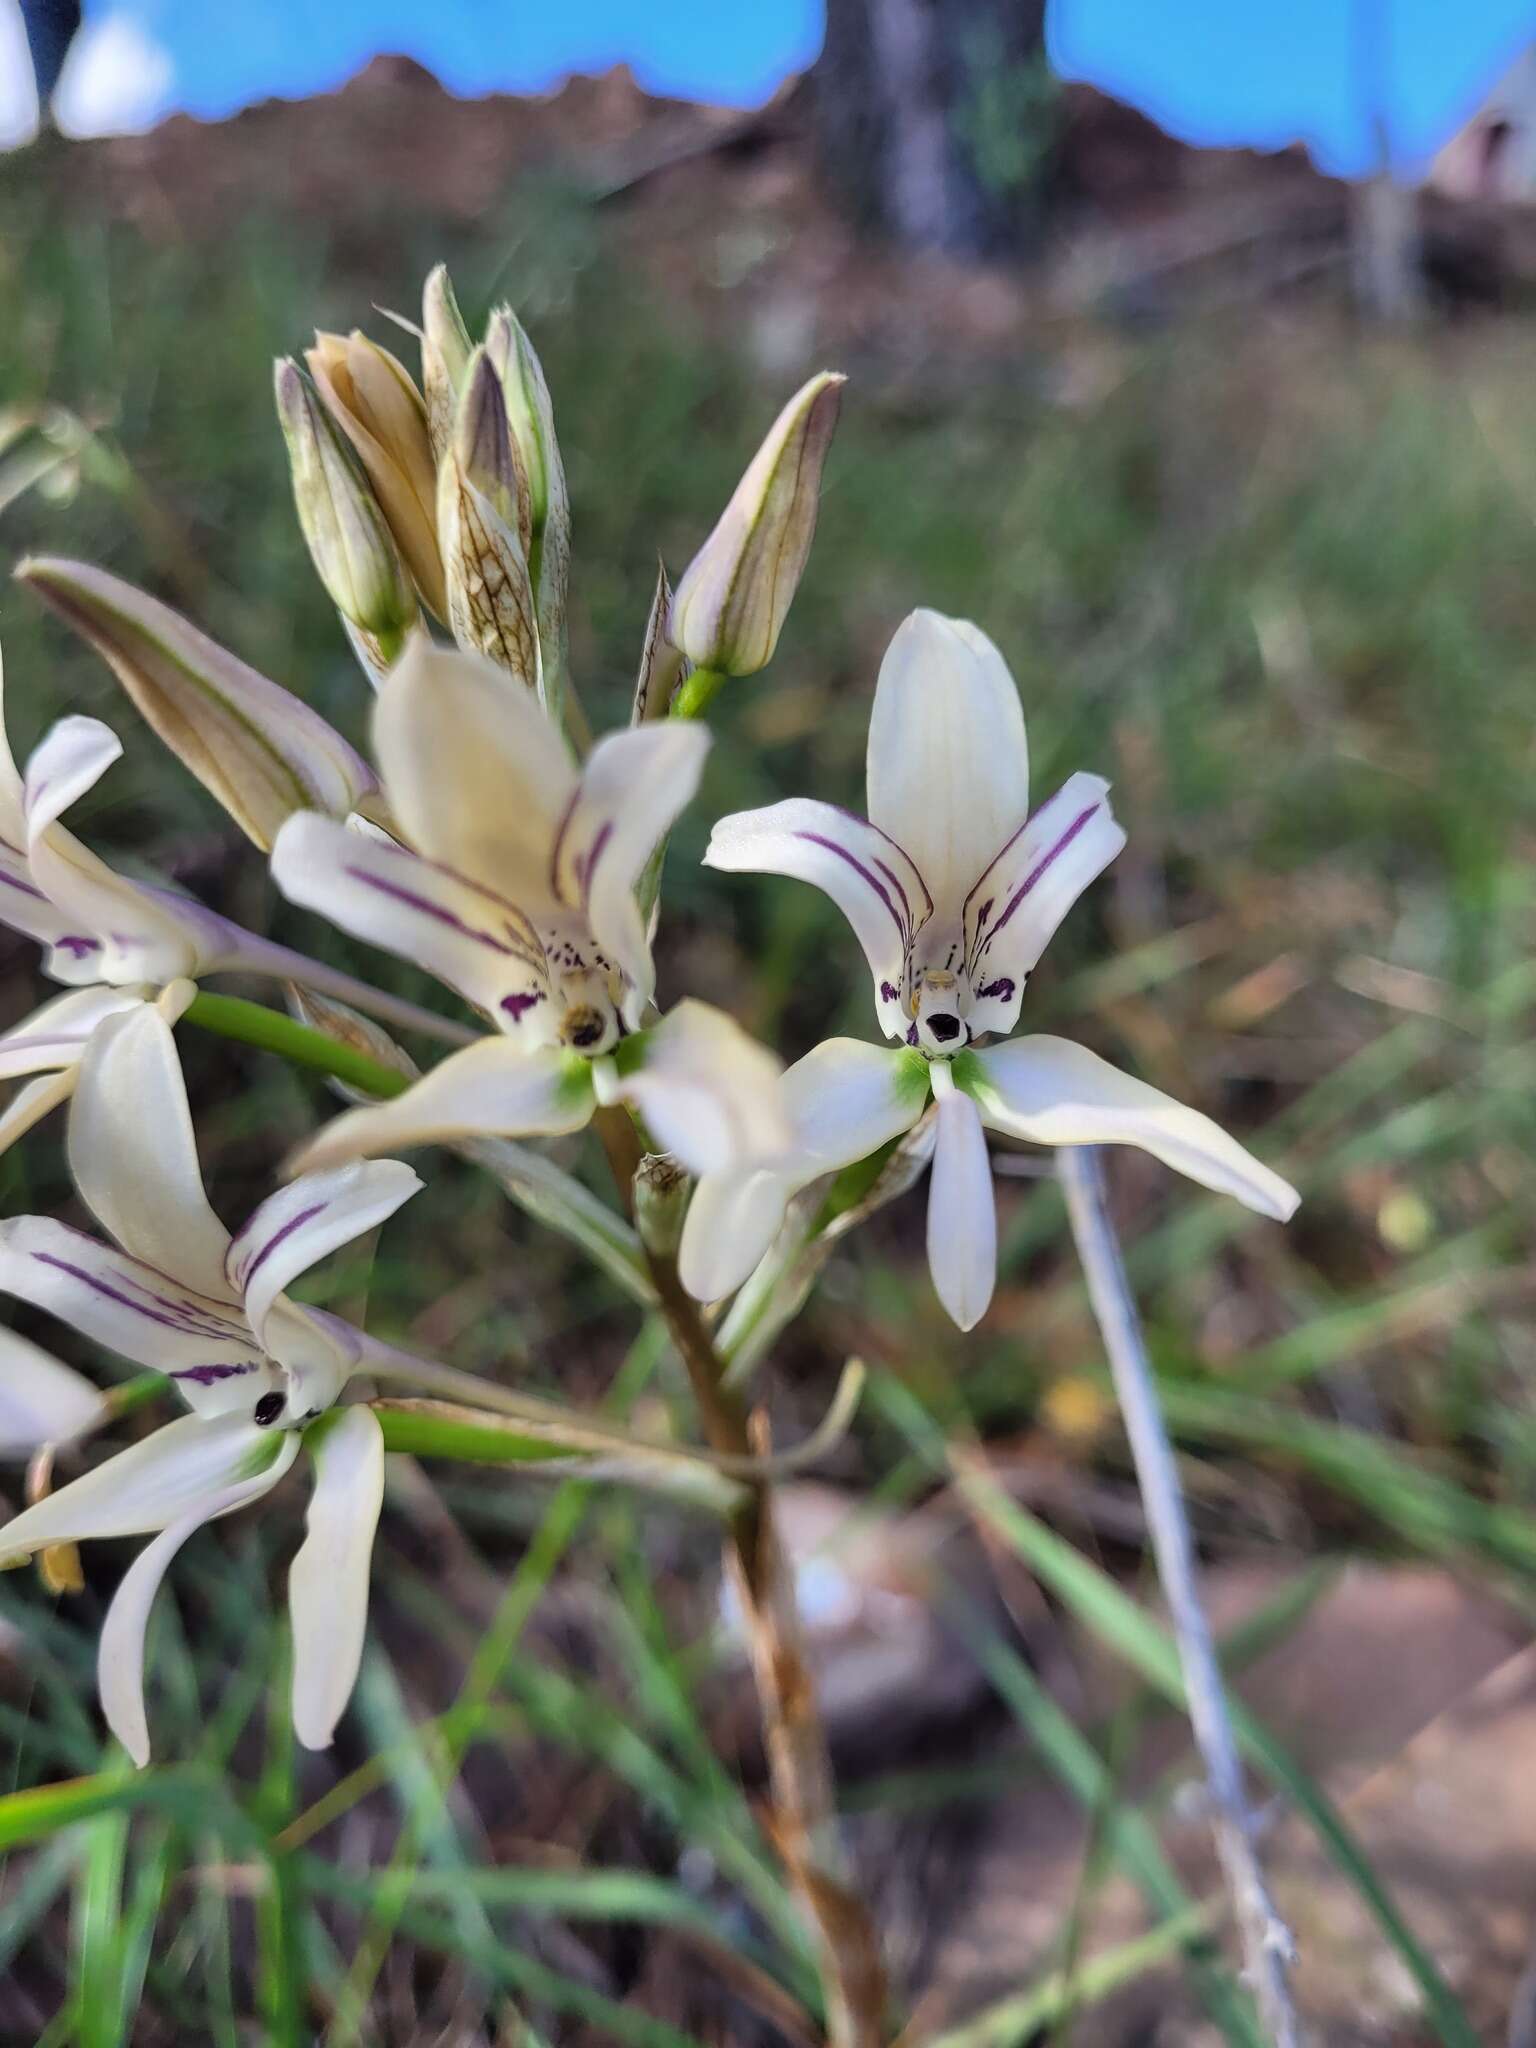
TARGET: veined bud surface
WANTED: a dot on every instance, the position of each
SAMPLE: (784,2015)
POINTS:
(349,539)
(371,397)
(445,355)
(482,517)
(732,601)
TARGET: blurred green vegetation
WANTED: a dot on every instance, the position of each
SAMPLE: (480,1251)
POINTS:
(1277,581)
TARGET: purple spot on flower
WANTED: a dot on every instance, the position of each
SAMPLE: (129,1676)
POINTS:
(889,992)
(74,944)
(517,1007)
(206,1375)
(1003,989)
(912,1034)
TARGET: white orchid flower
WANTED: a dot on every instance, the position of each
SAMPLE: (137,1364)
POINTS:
(953,889)
(520,895)
(115,942)
(193,1471)
(178,1293)
(175,1291)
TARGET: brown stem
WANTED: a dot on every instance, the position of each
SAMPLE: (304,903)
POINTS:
(799,1772)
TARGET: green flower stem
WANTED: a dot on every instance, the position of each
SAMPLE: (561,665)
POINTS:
(697,692)
(273,1031)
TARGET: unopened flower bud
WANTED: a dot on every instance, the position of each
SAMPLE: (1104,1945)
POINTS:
(349,539)
(253,745)
(372,399)
(481,513)
(660,1190)
(445,352)
(531,418)
(731,602)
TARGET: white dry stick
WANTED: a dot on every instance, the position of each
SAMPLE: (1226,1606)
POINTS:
(1268,1947)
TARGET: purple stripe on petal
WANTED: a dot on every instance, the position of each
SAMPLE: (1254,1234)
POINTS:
(1042,864)
(413,900)
(207,1375)
(111,1293)
(249,1272)
(588,866)
(77,946)
(1003,989)
(874,881)
(517,1007)
(26,888)
(557,845)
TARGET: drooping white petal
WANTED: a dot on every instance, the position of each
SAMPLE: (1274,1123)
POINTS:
(1012,912)
(490,1089)
(707,1090)
(41,1400)
(844,1100)
(632,788)
(866,873)
(477,942)
(478,776)
(29,1105)
(153,1483)
(962,1211)
(135,1310)
(115,931)
(328,1581)
(134,1156)
(948,767)
(1053,1092)
(303,1222)
(55,1036)
(120,1651)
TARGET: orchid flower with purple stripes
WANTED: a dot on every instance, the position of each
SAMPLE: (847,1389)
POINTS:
(518,890)
(176,1292)
(953,889)
(114,942)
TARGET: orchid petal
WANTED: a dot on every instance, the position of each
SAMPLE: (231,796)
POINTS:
(304,1222)
(962,1211)
(477,942)
(55,1036)
(41,1401)
(328,1580)
(135,1310)
(1012,913)
(120,1651)
(490,1089)
(260,751)
(844,1101)
(115,929)
(130,1083)
(29,1105)
(948,766)
(708,1091)
(153,1483)
(868,876)
(1053,1092)
(632,788)
(478,776)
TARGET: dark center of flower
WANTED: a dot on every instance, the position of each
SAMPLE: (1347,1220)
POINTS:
(268,1409)
(944,1025)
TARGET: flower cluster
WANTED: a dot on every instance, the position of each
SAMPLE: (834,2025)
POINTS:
(521,870)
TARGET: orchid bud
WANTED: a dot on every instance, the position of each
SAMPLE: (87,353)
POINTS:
(731,602)
(661,666)
(445,352)
(349,539)
(660,1191)
(531,418)
(372,399)
(482,512)
(252,744)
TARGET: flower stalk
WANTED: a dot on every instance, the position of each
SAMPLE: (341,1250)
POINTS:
(1268,1946)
